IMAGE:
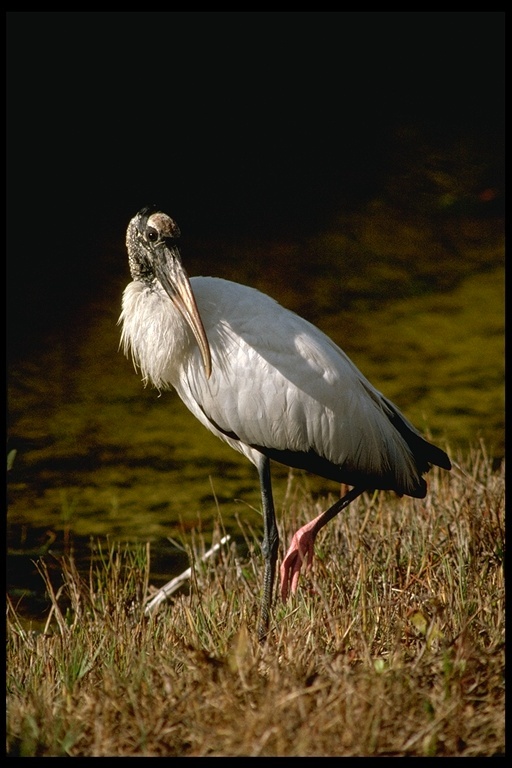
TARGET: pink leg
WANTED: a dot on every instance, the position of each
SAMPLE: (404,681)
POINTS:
(303,544)
(301,549)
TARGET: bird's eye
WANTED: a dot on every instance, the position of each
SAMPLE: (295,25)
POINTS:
(152,234)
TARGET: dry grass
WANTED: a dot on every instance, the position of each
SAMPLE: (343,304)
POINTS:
(393,646)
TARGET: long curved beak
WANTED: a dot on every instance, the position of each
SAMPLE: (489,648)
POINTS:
(176,284)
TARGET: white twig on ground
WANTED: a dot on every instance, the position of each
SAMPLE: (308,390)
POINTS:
(171,586)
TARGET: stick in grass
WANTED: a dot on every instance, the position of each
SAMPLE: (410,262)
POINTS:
(171,586)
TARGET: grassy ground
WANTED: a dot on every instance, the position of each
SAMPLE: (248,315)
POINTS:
(394,644)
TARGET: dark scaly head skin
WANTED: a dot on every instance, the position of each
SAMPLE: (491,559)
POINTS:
(149,227)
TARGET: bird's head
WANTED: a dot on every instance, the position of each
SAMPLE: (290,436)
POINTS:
(153,254)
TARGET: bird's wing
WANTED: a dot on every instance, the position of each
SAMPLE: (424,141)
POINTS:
(281,384)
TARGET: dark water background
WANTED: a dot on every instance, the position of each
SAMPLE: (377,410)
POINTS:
(361,186)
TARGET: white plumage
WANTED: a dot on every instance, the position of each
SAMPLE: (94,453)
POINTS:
(266,381)
(277,381)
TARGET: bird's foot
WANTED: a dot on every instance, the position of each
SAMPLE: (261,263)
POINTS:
(300,550)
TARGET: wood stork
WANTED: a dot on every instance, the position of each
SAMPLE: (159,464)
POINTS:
(268,383)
